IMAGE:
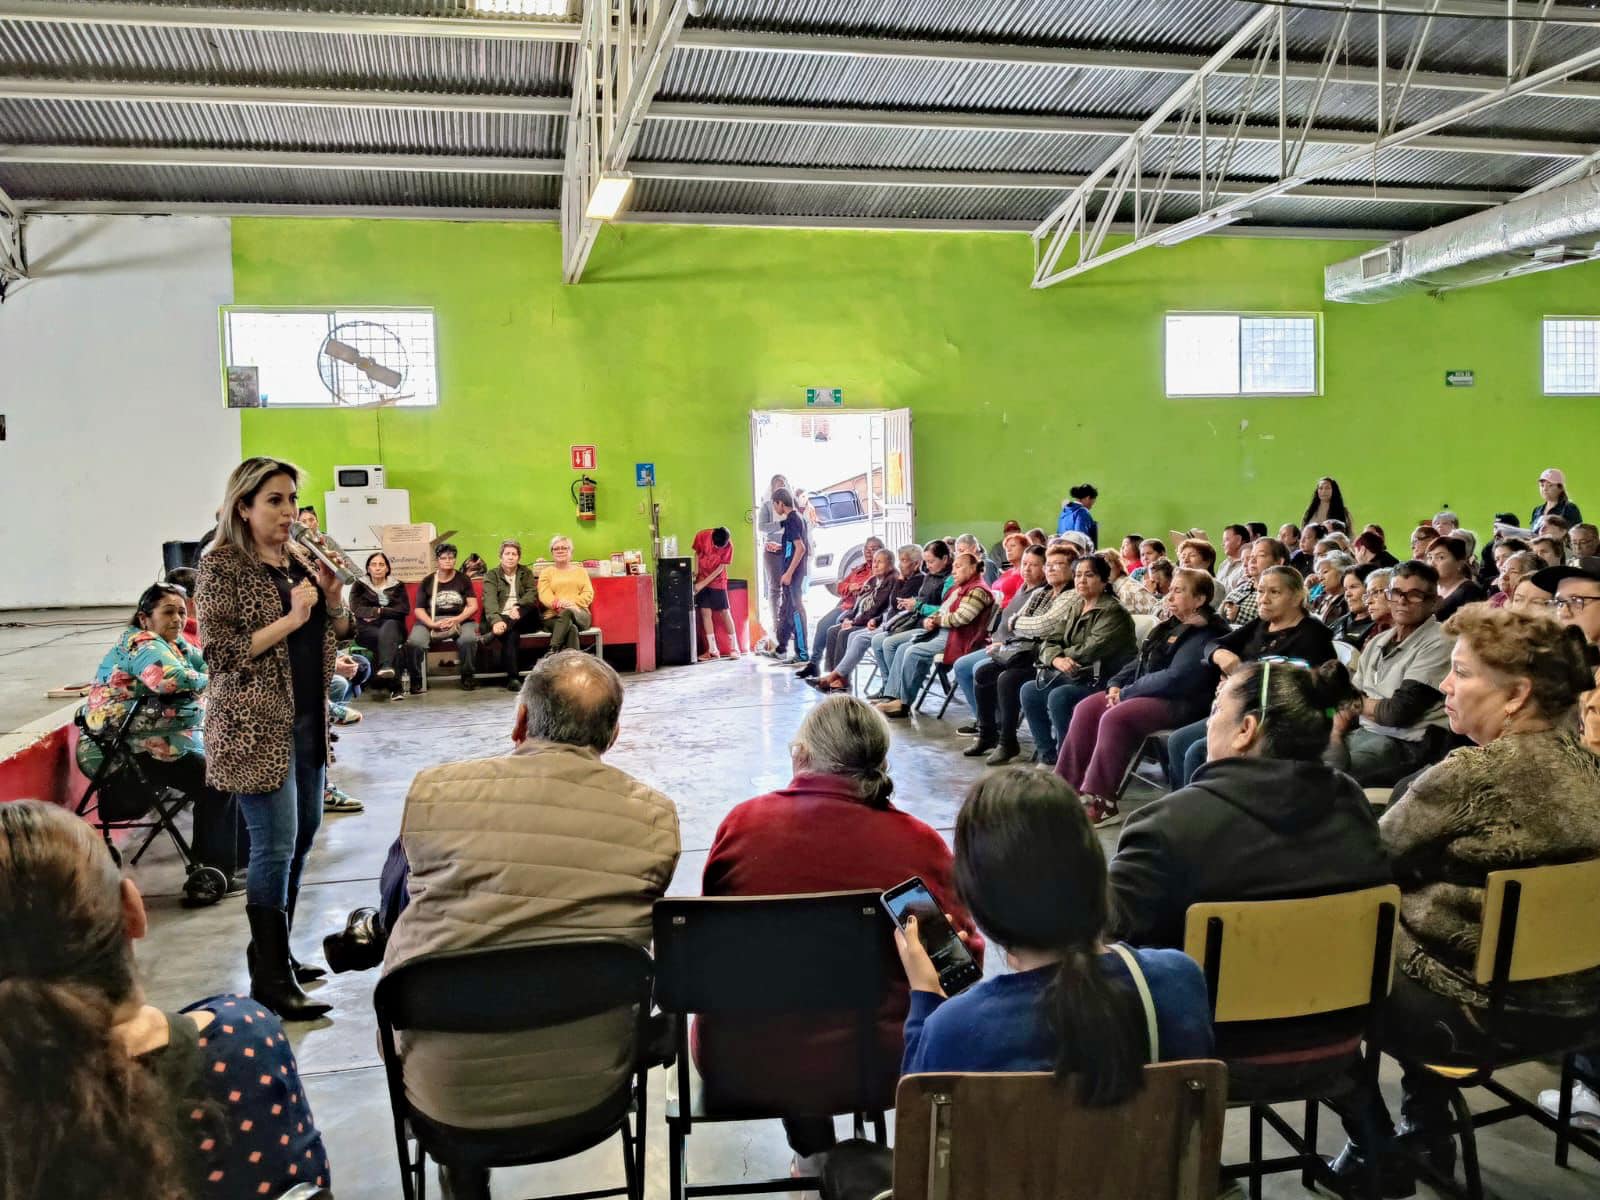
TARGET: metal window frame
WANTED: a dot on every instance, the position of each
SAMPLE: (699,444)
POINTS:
(1244,314)
(1544,362)
(225,311)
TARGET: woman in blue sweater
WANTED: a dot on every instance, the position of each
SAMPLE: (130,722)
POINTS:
(1030,868)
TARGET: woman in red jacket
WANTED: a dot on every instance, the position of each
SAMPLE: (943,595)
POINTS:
(831,829)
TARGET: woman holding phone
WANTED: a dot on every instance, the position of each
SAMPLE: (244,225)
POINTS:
(832,828)
(270,619)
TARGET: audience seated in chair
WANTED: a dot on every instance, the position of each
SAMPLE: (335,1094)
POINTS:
(1584,541)
(545,843)
(1263,819)
(566,596)
(1358,622)
(151,657)
(1008,649)
(849,590)
(446,607)
(833,828)
(510,608)
(905,626)
(1169,684)
(1282,629)
(961,623)
(1515,566)
(997,558)
(1092,1013)
(379,605)
(1144,592)
(1092,643)
(1007,581)
(103,1094)
(1230,569)
(1369,547)
(1399,725)
(1238,607)
(889,598)
(1197,555)
(1451,558)
(1325,595)
(1523,795)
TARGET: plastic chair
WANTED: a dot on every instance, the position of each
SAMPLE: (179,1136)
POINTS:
(1538,923)
(515,989)
(306,1191)
(1275,960)
(1023,1136)
(1347,654)
(772,956)
(120,783)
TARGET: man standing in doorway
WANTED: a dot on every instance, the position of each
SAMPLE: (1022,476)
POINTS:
(792,551)
(771,526)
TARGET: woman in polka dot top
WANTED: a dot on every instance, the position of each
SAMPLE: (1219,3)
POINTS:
(102,1093)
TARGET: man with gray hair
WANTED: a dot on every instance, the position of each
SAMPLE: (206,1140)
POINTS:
(546,843)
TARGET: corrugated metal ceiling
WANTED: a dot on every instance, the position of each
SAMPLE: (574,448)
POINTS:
(493,66)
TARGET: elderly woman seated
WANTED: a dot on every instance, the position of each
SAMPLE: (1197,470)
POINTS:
(1357,624)
(1522,796)
(960,625)
(153,666)
(832,828)
(1168,685)
(885,599)
(1092,643)
(1196,554)
(1325,596)
(1143,594)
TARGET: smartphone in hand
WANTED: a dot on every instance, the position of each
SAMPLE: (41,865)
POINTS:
(958,970)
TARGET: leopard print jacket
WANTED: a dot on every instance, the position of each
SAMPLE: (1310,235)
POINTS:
(249,723)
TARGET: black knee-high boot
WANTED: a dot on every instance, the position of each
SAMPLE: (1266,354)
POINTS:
(272,980)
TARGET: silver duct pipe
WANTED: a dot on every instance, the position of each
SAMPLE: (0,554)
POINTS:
(1554,228)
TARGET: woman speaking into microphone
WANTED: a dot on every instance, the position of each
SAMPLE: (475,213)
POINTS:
(269,617)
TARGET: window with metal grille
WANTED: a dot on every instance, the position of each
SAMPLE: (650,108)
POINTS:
(1572,356)
(323,358)
(1233,354)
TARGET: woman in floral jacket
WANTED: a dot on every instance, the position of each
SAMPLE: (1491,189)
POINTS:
(152,658)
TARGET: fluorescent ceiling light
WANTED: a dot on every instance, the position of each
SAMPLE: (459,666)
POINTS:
(525,8)
(609,194)
(1184,231)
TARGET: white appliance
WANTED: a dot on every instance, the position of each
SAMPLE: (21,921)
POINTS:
(358,503)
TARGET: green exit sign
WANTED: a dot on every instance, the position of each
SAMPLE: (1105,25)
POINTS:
(825,397)
(1459,379)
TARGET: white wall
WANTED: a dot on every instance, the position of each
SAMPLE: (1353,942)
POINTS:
(117,438)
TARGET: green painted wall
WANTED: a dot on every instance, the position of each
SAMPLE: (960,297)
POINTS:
(1017,394)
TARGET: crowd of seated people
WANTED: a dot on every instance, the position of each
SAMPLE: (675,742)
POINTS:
(1473,718)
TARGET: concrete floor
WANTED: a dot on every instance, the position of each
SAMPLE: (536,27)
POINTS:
(737,717)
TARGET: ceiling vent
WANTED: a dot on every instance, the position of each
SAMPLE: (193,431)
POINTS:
(1555,228)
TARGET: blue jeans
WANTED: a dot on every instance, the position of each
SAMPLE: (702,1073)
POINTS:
(283,825)
(911,666)
(819,639)
(965,666)
(1186,752)
(886,648)
(1049,713)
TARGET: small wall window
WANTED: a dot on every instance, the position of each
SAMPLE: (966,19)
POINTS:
(1572,356)
(326,357)
(1233,354)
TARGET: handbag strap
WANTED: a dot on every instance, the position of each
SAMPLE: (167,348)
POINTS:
(1142,986)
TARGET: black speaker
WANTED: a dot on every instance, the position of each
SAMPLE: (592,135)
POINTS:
(674,612)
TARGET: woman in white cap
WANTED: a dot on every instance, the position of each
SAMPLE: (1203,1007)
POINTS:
(1553,487)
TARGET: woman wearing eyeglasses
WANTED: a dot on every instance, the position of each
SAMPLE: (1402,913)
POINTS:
(1523,795)
(1282,629)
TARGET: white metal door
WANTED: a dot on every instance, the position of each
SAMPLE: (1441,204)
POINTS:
(893,471)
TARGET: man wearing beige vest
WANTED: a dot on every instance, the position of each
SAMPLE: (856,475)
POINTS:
(545,843)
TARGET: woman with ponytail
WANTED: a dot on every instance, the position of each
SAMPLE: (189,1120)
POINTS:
(1029,865)
(102,1094)
(832,828)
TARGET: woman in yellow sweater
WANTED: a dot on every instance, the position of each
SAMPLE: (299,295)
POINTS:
(566,594)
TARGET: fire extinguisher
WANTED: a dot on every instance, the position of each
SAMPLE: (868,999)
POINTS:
(583,496)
